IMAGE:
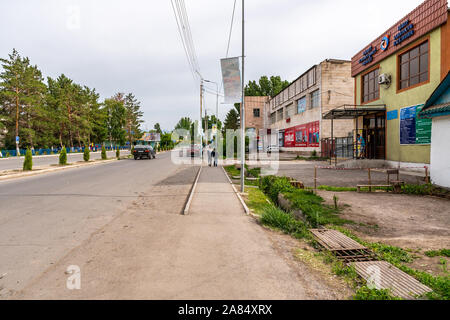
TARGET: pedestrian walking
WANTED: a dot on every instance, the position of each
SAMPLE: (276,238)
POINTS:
(215,156)
(208,150)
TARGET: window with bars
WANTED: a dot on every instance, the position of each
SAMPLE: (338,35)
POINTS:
(256,113)
(414,66)
(315,99)
(371,88)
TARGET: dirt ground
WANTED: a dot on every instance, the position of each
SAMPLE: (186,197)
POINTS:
(410,222)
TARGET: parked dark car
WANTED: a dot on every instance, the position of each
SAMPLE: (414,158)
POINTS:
(141,152)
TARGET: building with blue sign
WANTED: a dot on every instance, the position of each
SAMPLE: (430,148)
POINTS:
(394,77)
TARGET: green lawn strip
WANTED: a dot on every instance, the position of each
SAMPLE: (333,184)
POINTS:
(438,253)
(257,201)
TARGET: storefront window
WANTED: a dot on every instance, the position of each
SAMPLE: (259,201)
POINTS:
(414,66)
(371,89)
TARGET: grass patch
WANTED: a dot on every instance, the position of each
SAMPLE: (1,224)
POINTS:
(366,293)
(312,158)
(337,189)
(232,171)
(257,201)
(438,253)
(278,219)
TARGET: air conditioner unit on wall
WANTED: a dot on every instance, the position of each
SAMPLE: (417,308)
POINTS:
(384,79)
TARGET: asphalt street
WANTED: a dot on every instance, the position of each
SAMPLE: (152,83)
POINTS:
(16,163)
(43,217)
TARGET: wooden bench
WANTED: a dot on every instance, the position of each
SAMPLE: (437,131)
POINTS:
(298,184)
(358,187)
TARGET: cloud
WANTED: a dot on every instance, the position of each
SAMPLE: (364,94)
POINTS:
(134,46)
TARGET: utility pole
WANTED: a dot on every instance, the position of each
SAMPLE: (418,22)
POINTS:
(217,108)
(200,123)
(243,104)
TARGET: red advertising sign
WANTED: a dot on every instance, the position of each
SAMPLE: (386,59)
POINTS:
(303,136)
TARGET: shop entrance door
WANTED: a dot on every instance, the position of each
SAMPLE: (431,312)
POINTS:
(375,136)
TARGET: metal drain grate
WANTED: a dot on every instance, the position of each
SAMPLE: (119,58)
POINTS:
(383,275)
(342,247)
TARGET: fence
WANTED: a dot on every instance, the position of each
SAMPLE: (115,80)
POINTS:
(41,152)
(338,148)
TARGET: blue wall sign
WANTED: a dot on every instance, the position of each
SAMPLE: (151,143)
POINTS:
(368,56)
(17,139)
(405,31)
(392,115)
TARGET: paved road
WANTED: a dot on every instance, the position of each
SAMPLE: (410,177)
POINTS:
(43,217)
(15,163)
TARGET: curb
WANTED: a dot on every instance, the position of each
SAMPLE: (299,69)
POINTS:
(35,173)
(191,195)
(246,209)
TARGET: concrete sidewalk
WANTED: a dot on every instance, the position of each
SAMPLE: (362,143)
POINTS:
(232,257)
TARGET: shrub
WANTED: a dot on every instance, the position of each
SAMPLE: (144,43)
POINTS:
(439,253)
(104,157)
(118,153)
(28,163)
(86,154)
(273,186)
(276,218)
(365,293)
(63,157)
(8,155)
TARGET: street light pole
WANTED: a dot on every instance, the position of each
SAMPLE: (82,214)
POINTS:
(217,106)
(243,104)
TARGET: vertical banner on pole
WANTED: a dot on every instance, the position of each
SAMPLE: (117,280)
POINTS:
(231,74)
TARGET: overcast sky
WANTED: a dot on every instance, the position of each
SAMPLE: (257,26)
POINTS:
(134,46)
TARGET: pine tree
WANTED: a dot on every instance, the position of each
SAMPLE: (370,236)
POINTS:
(63,157)
(22,92)
(133,118)
(28,163)
(118,153)
(104,157)
(86,154)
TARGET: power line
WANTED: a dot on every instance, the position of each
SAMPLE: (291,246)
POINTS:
(184,30)
(231,29)
(229,37)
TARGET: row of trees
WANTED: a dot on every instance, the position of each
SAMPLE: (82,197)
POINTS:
(60,112)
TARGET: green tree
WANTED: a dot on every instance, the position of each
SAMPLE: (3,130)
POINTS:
(28,163)
(63,157)
(104,156)
(86,154)
(232,119)
(157,128)
(21,91)
(133,118)
(266,87)
(116,120)
(118,153)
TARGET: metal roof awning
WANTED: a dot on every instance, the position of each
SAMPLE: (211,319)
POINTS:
(353,112)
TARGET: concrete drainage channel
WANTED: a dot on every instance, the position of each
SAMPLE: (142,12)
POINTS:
(380,274)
